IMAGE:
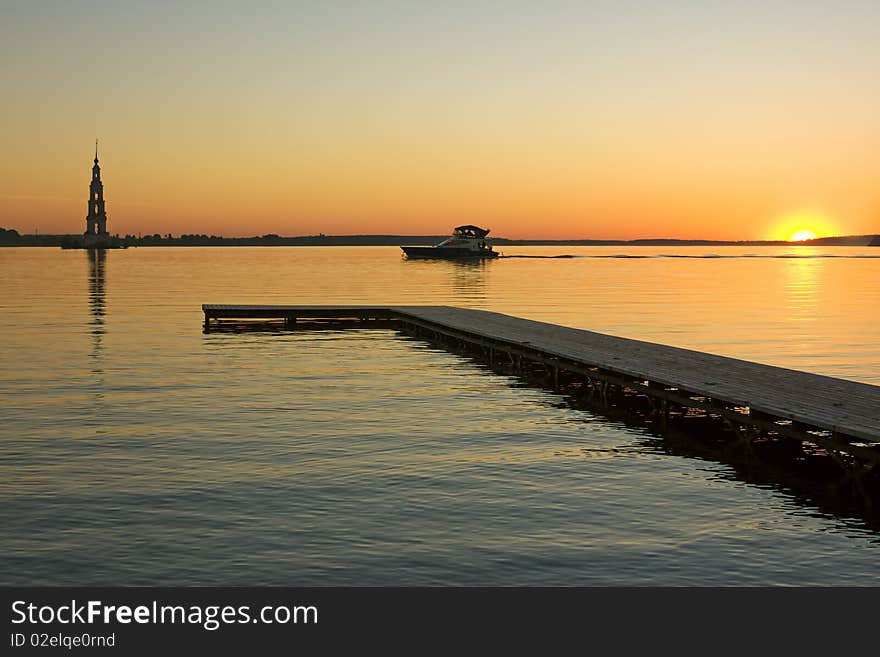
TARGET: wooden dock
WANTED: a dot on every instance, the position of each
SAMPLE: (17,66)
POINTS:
(840,416)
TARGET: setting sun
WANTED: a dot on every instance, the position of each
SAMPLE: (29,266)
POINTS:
(802,225)
(802,236)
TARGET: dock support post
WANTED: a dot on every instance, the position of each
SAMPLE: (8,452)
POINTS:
(853,476)
(745,435)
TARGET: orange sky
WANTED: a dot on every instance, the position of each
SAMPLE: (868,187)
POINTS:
(689,120)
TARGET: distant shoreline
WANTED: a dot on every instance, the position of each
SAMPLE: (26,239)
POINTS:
(12,238)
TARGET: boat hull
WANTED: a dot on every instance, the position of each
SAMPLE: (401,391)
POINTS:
(446,253)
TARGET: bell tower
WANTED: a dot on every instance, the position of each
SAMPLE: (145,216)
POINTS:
(96,220)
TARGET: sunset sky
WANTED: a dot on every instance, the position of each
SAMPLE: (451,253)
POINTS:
(617,119)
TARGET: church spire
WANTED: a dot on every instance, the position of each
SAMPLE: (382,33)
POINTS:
(96,221)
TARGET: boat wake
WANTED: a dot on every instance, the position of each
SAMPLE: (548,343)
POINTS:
(629,256)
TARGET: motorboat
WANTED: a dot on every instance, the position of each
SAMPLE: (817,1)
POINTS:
(465,242)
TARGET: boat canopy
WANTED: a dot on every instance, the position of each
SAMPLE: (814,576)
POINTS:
(471,231)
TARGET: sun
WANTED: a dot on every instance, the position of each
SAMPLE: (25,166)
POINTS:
(802,235)
(802,225)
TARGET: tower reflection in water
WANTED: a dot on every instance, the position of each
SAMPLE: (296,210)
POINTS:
(97,302)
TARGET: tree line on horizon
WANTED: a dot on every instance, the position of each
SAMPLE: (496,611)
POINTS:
(11,237)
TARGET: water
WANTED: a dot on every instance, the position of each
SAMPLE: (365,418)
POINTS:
(138,450)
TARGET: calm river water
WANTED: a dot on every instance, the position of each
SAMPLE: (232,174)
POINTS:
(138,450)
